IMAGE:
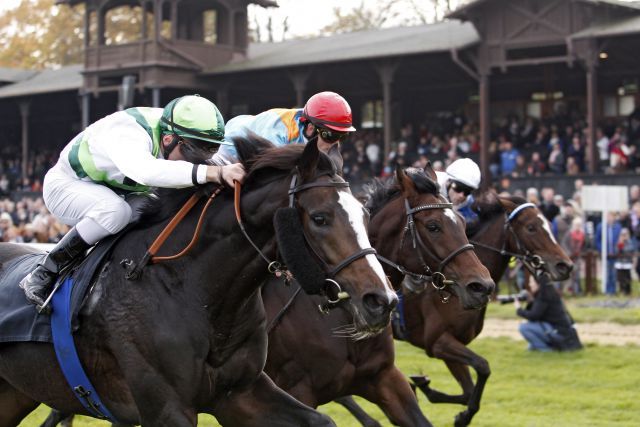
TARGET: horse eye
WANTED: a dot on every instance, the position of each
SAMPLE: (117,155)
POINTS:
(531,228)
(319,219)
(433,227)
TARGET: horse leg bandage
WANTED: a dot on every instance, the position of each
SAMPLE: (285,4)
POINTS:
(294,251)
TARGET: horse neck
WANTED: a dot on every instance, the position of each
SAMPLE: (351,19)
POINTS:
(386,232)
(493,234)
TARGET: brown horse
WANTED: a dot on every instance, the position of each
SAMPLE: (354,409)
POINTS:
(189,335)
(411,225)
(507,227)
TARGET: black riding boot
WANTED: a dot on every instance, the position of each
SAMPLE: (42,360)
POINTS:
(37,284)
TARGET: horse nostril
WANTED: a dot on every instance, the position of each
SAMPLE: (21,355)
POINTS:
(563,268)
(376,303)
(481,288)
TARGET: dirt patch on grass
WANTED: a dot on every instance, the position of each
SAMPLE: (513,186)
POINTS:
(598,333)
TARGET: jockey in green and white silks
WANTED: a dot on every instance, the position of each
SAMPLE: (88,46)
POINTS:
(129,150)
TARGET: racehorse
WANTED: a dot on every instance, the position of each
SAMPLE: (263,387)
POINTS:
(507,227)
(411,224)
(189,335)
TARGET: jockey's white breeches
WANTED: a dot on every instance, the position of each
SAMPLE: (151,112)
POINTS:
(95,210)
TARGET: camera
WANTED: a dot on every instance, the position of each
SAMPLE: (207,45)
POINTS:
(506,299)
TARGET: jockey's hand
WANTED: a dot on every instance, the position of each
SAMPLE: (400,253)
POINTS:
(233,172)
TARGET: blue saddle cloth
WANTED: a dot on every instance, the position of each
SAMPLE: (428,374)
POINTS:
(19,320)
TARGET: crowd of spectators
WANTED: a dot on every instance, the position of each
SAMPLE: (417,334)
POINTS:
(519,147)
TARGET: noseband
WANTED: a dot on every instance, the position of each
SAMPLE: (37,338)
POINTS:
(331,271)
(436,278)
(533,262)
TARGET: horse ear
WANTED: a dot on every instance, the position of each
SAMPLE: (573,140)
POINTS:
(336,157)
(407,187)
(430,172)
(308,162)
(506,204)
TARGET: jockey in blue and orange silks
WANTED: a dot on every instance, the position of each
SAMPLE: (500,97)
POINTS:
(460,179)
(326,115)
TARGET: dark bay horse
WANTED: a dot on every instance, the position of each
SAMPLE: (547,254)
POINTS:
(189,335)
(507,227)
(317,366)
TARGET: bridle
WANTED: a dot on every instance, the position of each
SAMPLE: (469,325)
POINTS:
(531,261)
(437,278)
(331,271)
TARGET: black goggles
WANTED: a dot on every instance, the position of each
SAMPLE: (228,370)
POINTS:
(332,135)
(198,146)
(460,188)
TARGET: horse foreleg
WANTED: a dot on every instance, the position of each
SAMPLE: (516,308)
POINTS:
(56,417)
(14,406)
(457,358)
(391,391)
(358,413)
(264,405)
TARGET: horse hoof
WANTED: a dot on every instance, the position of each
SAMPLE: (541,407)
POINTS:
(462,419)
(420,380)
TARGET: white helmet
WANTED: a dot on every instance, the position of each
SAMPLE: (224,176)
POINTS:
(465,171)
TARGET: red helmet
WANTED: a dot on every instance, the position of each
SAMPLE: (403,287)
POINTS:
(330,110)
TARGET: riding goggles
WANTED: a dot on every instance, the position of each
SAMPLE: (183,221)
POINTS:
(332,135)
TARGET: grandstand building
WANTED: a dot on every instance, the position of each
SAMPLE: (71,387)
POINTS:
(490,58)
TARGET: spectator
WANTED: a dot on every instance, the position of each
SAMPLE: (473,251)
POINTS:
(603,148)
(613,234)
(573,244)
(508,158)
(548,208)
(536,166)
(624,261)
(549,326)
(533,196)
(556,159)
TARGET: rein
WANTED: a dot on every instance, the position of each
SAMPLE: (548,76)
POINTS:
(134,270)
(274,267)
(532,262)
(437,278)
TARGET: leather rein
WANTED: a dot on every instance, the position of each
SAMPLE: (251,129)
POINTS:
(531,261)
(437,278)
(274,267)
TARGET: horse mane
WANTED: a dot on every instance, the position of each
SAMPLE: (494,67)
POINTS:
(487,205)
(379,192)
(262,160)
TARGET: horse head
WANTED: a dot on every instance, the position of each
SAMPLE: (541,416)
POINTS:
(531,236)
(422,231)
(323,240)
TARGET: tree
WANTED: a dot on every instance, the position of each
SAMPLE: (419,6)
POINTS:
(38,34)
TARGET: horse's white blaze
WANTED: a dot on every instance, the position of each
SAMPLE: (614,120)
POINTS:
(356,219)
(451,214)
(545,225)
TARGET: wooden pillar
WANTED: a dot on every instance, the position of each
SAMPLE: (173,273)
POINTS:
(100,14)
(222,101)
(86,109)
(155,97)
(485,126)
(299,79)
(386,72)
(24,115)
(87,26)
(174,20)
(592,120)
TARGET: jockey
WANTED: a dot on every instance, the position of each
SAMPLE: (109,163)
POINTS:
(127,151)
(460,179)
(326,115)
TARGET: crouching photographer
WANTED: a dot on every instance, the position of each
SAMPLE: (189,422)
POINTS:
(549,326)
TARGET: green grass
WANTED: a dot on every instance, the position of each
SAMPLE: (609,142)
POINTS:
(595,387)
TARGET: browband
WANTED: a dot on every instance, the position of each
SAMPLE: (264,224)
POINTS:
(517,210)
